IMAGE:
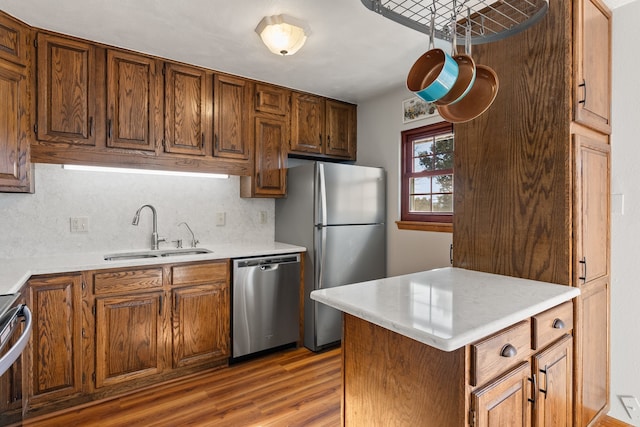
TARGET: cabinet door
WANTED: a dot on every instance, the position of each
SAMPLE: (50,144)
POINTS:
(56,338)
(129,337)
(307,123)
(272,99)
(554,370)
(15,165)
(593,359)
(66,91)
(505,401)
(132,101)
(592,219)
(185,115)
(200,324)
(341,129)
(271,156)
(592,57)
(231,119)
(14,37)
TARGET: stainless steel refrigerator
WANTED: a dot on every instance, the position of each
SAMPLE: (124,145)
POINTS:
(336,211)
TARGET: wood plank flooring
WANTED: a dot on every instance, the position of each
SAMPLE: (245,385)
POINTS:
(291,388)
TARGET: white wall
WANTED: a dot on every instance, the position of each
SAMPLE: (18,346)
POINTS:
(38,224)
(625,229)
(379,127)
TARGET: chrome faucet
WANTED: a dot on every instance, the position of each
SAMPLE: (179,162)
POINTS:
(154,236)
(194,241)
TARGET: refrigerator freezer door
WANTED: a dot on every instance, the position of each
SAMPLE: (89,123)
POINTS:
(348,194)
(344,254)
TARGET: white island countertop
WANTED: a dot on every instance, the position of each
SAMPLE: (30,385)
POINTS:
(14,272)
(446,308)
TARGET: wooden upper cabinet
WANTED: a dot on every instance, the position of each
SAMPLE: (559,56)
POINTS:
(341,129)
(15,165)
(592,68)
(133,102)
(231,117)
(14,40)
(66,90)
(272,99)
(271,156)
(307,123)
(592,204)
(185,110)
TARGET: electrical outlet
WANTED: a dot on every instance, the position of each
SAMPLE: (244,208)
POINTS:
(630,403)
(220,219)
(79,224)
(262,216)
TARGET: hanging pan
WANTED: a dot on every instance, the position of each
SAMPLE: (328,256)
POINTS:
(466,69)
(477,101)
(433,75)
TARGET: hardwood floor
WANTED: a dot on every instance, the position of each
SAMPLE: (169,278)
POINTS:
(291,388)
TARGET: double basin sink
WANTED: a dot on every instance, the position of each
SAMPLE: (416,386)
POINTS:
(121,256)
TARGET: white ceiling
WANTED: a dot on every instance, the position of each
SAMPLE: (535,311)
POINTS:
(351,54)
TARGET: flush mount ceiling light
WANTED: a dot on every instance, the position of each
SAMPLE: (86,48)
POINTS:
(282,34)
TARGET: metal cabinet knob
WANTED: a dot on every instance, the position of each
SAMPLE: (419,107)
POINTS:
(558,324)
(508,351)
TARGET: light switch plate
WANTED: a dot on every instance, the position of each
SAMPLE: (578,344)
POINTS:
(630,403)
(79,224)
(220,219)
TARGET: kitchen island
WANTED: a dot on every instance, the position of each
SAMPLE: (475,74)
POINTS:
(434,348)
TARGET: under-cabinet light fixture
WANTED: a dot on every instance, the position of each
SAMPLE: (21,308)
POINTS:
(282,34)
(144,171)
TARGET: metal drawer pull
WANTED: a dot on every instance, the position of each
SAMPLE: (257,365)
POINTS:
(508,351)
(558,324)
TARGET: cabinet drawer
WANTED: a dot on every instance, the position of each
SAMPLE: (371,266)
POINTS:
(200,273)
(127,280)
(496,354)
(552,324)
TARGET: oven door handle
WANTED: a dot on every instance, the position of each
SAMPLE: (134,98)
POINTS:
(16,350)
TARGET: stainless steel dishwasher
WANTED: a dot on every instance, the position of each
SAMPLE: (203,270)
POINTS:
(266,303)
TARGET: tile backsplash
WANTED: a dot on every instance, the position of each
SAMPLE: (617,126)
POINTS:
(39,224)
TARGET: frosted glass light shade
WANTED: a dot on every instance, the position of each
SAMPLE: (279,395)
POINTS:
(282,34)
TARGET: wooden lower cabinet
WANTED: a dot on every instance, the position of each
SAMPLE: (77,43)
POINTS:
(504,402)
(102,333)
(200,314)
(129,337)
(389,379)
(55,351)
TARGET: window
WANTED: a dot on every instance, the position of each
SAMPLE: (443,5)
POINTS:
(427,178)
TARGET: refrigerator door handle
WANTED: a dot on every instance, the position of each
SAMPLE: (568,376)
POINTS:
(322,209)
(323,246)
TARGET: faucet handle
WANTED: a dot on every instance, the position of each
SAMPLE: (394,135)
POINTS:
(194,243)
(178,243)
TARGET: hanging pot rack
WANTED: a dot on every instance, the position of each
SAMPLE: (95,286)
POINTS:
(491,20)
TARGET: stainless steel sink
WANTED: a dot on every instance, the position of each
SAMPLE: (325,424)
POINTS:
(122,256)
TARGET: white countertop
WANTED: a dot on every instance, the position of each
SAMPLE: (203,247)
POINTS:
(446,308)
(14,272)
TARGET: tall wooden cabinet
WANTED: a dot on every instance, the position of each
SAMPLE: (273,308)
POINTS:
(532,177)
(15,91)
(231,120)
